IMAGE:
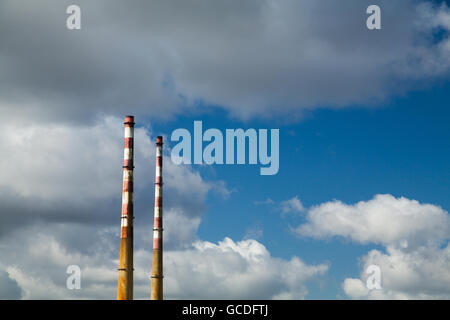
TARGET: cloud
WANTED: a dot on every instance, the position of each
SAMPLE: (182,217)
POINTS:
(355,288)
(79,163)
(37,259)
(236,270)
(419,274)
(74,164)
(205,270)
(69,173)
(416,260)
(9,289)
(383,220)
(259,59)
(292,205)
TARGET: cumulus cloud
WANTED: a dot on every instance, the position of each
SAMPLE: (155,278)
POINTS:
(261,58)
(237,270)
(416,261)
(355,288)
(419,274)
(383,220)
(227,270)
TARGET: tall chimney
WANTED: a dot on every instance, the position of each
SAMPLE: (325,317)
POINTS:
(125,284)
(157,268)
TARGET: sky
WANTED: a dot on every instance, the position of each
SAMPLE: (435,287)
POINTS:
(364,147)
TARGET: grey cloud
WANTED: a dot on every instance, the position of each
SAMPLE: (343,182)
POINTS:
(73,174)
(253,58)
(9,289)
(18,212)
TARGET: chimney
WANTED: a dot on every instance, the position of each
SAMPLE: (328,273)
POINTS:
(125,284)
(157,268)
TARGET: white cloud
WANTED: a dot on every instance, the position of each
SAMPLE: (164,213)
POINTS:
(414,264)
(383,220)
(236,270)
(355,288)
(37,260)
(292,205)
(420,274)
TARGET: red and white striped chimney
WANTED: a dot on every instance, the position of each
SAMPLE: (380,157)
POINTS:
(125,284)
(157,268)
